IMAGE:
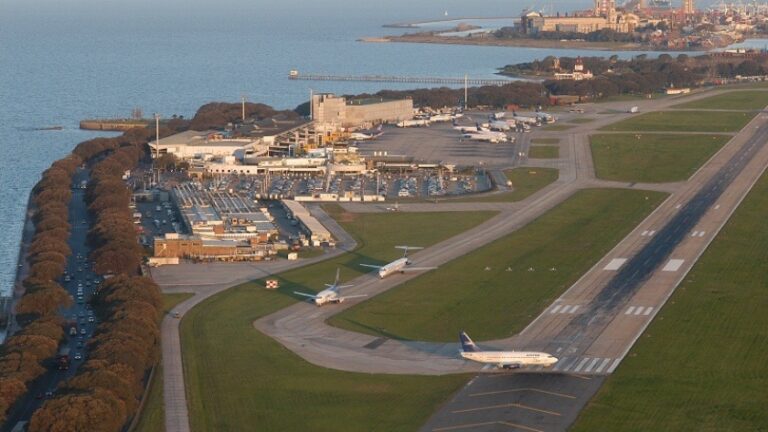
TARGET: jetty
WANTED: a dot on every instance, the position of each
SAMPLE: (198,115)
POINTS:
(295,75)
(118,125)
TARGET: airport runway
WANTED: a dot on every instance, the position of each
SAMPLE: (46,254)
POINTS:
(513,397)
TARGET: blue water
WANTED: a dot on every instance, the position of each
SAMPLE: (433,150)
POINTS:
(62,61)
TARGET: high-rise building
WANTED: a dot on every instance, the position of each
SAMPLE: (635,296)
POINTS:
(688,7)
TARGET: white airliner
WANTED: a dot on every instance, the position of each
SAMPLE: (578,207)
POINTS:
(330,294)
(365,136)
(504,359)
(486,136)
(399,265)
(413,123)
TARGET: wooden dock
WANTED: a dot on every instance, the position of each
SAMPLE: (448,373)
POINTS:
(294,75)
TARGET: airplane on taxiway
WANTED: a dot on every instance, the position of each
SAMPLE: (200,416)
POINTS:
(331,294)
(399,265)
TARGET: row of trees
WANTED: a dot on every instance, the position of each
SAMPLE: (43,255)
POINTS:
(106,390)
(23,356)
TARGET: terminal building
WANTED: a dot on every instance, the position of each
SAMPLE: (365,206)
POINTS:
(330,110)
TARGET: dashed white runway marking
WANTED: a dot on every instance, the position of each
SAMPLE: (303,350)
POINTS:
(648,311)
(630,310)
(638,310)
(555,309)
(615,264)
(678,206)
(701,233)
(564,309)
(717,206)
(673,265)
(591,365)
(648,233)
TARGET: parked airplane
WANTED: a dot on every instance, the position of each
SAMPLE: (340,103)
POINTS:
(504,359)
(330,294)
(487,136)
(366,135)
(413,123)
(398,265)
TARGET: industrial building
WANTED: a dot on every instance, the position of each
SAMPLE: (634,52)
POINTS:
(313,229)
(194,247)
(329,110)
(222,215)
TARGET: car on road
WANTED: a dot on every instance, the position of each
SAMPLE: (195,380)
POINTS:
(78,356)
(91,319)
(82,331)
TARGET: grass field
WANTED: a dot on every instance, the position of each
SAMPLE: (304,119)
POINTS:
(377,234)
(240,379)
(702,364)
(545,140)
(152,417)
(735,100)
(525,182)
(237,376)
(652,158)
(476,292)
(544,152)
(683,121)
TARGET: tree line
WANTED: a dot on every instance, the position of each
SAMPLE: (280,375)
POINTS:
(105,392)
(24,355)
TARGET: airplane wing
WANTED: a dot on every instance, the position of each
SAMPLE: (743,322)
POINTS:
(410,269)
(372,266)
(305,294)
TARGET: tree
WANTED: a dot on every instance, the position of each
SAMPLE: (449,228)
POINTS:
(43,302)
(98,410)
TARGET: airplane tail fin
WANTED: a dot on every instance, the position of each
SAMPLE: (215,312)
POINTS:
(336,282)
(407,248)
(466,343)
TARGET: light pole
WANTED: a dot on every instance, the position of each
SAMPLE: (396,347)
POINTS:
(157,149)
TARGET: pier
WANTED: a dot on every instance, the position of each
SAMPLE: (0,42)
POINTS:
(294,75)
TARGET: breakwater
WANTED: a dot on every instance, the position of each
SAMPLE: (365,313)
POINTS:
(118,125)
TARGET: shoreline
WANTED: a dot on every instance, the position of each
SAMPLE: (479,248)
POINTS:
(524,43)
(17,290)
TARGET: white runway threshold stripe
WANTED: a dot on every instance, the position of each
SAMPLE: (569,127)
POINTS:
(586,365)
(615,264)
(673,265)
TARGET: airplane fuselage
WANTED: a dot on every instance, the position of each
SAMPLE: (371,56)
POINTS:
(327,296)
(511,359)
(393,267)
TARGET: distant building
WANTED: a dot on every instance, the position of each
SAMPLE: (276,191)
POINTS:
(314,230)
(579,73)
(329,109)
(604,16)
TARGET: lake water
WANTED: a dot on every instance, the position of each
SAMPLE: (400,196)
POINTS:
(63,61)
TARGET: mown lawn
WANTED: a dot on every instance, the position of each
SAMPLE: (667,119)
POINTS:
(544,152)
(702,365)
(497,290)
(652,158)
(734,100)
(683,121)
(240,379)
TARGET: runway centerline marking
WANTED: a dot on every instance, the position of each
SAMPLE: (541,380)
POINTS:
(524,389)
(673,265)
(508,405)
(615,264)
